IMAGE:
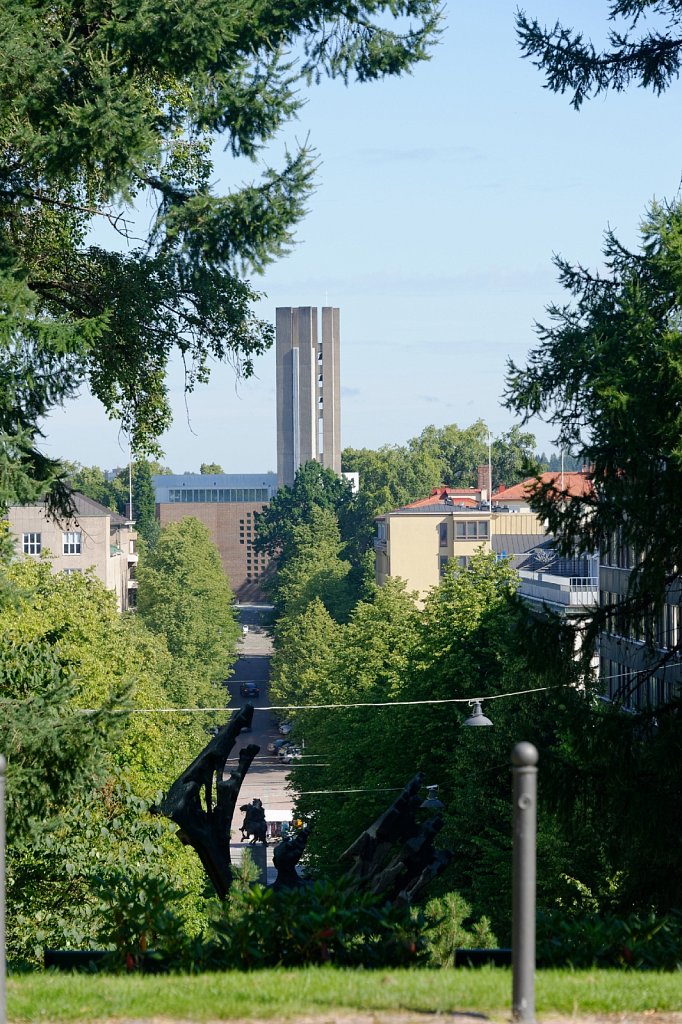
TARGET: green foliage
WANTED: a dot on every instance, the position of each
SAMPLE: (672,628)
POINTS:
(446,918)
(316,570)
(209,468)
(313,488)
(321,923)
(259,927)
(572,64)
(79,781)
(101,109)
(184,596)
(639,941)
(608,375)
(144,503)
(303,657)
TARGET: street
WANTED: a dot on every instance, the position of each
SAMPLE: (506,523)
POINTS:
(267,776)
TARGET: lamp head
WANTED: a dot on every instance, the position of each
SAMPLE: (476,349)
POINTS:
(477,717)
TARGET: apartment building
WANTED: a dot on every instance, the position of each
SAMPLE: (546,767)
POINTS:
(417,541)
(638,665)
(93,538)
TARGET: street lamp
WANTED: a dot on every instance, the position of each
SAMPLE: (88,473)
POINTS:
(477,717)
(432,803)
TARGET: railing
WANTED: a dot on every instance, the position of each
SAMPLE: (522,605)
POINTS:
(554,589)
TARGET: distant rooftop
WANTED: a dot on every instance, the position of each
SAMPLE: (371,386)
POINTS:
(214,487)
(575,485)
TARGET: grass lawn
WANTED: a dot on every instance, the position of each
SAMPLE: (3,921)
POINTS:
(309,991)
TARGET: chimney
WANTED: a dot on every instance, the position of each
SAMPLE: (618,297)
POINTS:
(484,482)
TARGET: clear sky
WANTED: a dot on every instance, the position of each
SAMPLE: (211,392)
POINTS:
(441,198)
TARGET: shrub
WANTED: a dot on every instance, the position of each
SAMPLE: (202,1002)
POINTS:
(446,919)
(641,941)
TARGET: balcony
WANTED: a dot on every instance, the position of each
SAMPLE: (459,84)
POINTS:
(563,591)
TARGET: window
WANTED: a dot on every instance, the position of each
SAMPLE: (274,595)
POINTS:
(132,544)
(473,529)
(72,572)
(72,542)
(443,535)
(442,562)
(31,543)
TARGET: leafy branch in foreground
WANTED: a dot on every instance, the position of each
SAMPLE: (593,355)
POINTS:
(107,110)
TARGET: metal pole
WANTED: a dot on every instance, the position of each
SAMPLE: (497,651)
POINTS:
(3,970)
(524,759)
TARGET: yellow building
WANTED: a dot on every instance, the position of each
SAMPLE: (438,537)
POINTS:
(416,542)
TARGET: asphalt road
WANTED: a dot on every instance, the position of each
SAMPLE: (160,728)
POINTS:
(267,776)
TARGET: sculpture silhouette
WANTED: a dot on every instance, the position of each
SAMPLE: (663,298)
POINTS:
(207,827)
(395,857)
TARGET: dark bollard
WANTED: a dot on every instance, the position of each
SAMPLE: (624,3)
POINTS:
(524,759)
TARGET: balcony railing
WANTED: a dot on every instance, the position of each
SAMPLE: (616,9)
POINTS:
(564,590)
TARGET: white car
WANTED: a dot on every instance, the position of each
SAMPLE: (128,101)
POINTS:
(292,754)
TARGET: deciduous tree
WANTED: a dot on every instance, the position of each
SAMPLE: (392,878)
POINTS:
(184,595)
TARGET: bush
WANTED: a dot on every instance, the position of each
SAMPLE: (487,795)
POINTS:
(256,927)
(446,919)
(643,942)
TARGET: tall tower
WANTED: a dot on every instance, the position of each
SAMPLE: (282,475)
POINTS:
(308,390)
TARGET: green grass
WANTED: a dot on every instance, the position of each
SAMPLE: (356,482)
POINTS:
(288,993)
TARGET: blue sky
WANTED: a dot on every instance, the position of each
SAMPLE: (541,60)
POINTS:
(441,198)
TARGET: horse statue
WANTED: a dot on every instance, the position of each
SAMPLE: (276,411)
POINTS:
(254,823)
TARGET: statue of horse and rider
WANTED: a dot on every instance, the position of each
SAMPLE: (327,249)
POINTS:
(254,823)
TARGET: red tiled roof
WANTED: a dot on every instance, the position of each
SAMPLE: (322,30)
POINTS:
(576,485)
(469,496)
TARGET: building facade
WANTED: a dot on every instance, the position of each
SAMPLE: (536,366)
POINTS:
(308,390)
(417,541)
(638,663)
(228,505)
(94,538)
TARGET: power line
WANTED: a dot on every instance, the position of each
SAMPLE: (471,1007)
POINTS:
(330,707)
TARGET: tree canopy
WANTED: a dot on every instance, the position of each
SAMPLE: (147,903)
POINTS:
(104,108)
(607,374)
(185,597)
(650,58)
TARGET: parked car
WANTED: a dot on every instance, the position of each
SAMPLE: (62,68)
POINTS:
(284,728)
(249,690)
(275,746)
(284,750)
(292,754)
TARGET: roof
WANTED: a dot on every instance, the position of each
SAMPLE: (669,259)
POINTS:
(525,550)
(442,499)
(89,507)
(84,507)
(575,485)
